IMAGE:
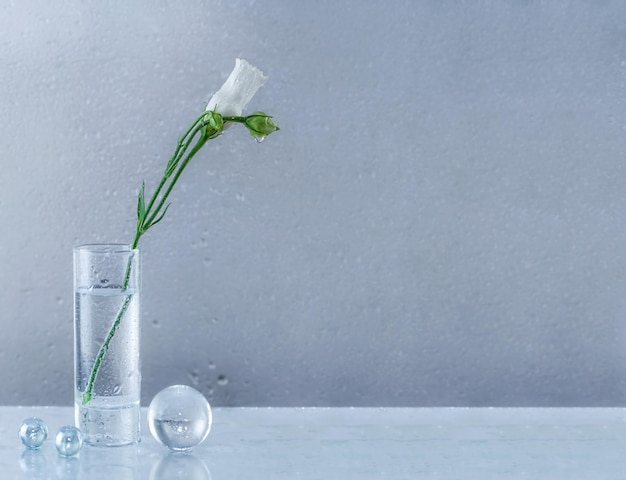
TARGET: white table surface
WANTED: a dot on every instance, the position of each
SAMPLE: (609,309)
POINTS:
(345,443)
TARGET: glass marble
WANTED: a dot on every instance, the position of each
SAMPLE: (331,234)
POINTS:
(33,432)
(68,441)
(179,417)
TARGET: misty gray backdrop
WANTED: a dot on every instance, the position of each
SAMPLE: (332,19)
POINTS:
(440,221)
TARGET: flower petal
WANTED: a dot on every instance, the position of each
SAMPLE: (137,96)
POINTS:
(238,89)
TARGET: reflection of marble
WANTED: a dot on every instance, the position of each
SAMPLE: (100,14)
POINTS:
(179,466)
(67,468)
(34,463)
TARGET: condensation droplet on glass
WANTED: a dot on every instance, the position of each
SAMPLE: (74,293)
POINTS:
(212,365)
(222,380)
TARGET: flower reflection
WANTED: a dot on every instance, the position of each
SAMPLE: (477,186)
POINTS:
(180,467)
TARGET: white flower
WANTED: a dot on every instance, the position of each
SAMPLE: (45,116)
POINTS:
(238,89)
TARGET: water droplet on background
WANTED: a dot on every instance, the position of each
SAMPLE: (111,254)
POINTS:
(194,376)
(222,380)
(259,139)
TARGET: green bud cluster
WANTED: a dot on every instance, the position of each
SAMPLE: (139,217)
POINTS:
(213,124)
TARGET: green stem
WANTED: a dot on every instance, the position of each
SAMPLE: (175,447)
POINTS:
(203,139)
(87,394)
(235,119)
(206,127)
(178,153)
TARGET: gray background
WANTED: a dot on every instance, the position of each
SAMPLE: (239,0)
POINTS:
(440,221)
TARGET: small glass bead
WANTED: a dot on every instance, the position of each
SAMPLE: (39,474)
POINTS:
(68,441)
(179,417)
(33,432)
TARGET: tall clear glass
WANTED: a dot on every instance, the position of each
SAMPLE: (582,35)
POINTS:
(107,286)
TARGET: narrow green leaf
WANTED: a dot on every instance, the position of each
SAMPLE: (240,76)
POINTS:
(141,204)
(171,166)
(160,217)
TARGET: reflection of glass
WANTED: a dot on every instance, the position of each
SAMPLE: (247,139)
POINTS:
(180,467)
(120,463)
(33,463)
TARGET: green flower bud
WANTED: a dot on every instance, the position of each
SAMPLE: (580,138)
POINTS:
(213,124)
(260,125)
